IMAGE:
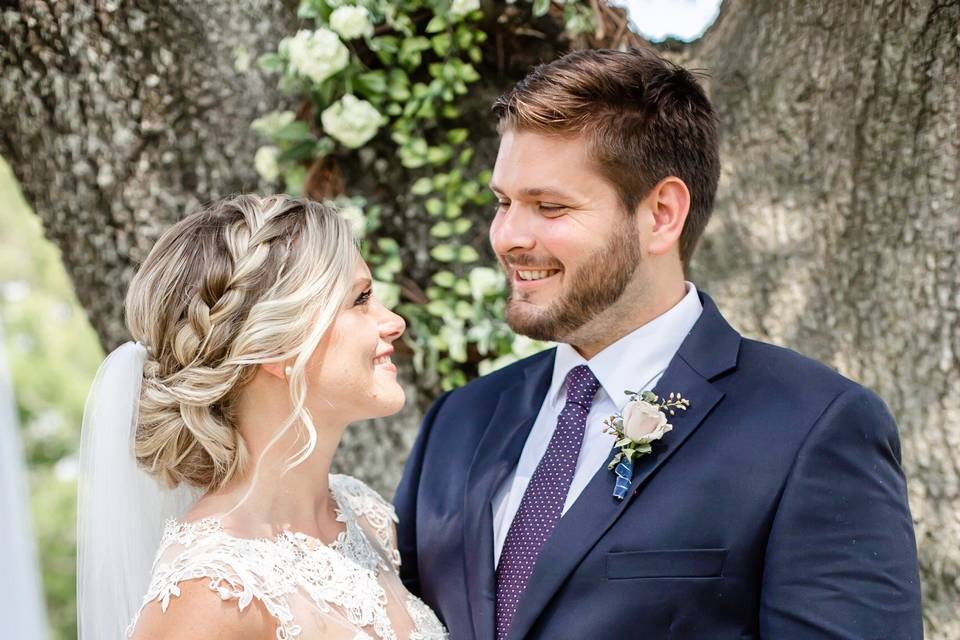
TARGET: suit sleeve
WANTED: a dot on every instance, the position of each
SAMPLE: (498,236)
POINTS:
(841,559)
(405,501)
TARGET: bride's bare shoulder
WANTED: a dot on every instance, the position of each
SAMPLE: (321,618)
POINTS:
(198,612)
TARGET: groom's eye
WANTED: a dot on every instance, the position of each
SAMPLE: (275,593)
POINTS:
(552,209)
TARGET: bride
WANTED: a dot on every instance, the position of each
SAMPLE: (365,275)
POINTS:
(257,341)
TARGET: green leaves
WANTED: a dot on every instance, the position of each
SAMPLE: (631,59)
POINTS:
(422,64)
(271,62)
(411,49)
(372,84)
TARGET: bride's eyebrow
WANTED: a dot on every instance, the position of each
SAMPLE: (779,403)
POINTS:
(363,283)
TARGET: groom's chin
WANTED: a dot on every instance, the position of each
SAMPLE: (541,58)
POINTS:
(530,320)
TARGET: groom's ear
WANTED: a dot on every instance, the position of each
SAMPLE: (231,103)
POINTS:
(666,206)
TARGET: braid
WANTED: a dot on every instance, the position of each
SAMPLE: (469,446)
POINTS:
(192,302)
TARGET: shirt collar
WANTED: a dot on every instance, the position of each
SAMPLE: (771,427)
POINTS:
(635,359)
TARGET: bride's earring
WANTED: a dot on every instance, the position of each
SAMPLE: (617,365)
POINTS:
(288,370)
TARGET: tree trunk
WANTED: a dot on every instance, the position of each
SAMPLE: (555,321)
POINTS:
(836,228)
(834,234)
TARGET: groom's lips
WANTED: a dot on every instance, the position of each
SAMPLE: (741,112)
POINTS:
(526,285)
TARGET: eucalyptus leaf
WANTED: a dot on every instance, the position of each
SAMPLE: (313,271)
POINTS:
(293,132)
(443,253)
(421,187)
(271,62)
(436,24)
(468,254)
(444,278)
(442,229)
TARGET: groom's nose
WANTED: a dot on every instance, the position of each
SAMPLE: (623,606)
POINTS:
(512,230)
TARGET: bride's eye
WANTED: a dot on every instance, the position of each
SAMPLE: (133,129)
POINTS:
(363,298)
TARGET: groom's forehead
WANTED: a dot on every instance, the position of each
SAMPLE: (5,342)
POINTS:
(539,165)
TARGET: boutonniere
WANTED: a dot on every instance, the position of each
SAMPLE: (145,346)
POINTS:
(642,422)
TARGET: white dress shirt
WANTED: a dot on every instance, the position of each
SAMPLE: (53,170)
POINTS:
(635,362)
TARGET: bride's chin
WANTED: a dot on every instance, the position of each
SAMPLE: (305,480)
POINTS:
(390,403)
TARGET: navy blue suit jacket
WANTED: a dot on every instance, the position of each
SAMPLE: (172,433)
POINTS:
(776,509)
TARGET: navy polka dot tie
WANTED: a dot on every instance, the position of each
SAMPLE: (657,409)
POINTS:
(543,500)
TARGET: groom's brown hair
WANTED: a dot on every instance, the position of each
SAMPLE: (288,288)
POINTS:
(644,117)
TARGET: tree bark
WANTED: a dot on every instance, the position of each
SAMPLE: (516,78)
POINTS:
(838,216)
(836,222)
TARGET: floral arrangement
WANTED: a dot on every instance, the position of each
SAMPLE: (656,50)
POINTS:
(383,81)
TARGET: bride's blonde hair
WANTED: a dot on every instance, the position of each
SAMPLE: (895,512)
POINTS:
(247,280)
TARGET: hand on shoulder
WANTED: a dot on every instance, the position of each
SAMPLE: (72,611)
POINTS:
(199,612)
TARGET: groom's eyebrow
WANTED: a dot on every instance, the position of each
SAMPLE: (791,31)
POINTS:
(536,192)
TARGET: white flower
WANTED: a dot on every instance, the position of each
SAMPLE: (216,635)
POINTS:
(265,162)
(351,121)
(485,281)
(241,60)
(351,22)
(455,339)
(317,54)
(492,364)
(387,293)
(523,346)
(272,122)
(463,7)
(354,215)
(644,422)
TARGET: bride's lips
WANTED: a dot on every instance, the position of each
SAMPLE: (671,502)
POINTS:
(382,361)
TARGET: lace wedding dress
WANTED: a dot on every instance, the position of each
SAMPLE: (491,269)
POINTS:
(347,590)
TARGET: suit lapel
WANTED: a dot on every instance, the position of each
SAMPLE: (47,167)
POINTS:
(497,454)
(709,350)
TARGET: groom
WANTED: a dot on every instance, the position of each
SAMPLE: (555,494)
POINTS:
(775,508)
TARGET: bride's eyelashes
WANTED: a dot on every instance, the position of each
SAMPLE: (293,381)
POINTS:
(363,298)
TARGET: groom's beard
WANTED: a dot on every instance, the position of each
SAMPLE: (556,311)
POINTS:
(596,285)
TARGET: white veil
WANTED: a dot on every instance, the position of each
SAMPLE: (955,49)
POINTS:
(121,509)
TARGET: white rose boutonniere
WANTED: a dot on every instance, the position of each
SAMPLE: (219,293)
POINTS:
(642,422)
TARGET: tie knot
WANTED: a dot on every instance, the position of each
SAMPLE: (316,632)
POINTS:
(582,385)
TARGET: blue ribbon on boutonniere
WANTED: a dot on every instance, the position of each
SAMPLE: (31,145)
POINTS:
(624,471)
(642,422)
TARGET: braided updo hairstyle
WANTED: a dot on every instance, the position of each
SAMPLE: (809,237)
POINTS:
(246,280)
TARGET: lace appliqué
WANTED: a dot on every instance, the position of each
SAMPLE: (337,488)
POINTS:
(425,621)
(364,502)
(340,580)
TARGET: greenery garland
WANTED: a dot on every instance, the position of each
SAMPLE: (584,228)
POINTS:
(407,92)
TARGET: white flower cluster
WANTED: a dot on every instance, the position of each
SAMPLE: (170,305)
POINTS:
(354,215)
(351,121)
(351,22)
(522,347)
(387,293)
(265,162)
(485,281)
(460,8)
(316,54)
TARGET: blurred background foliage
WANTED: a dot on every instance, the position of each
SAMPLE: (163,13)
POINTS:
(53,353)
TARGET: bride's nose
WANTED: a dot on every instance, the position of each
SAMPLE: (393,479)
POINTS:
(392,326)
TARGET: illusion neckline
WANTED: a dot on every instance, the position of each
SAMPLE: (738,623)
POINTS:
(341,508)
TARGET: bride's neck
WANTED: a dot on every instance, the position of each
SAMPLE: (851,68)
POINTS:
(270,495)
